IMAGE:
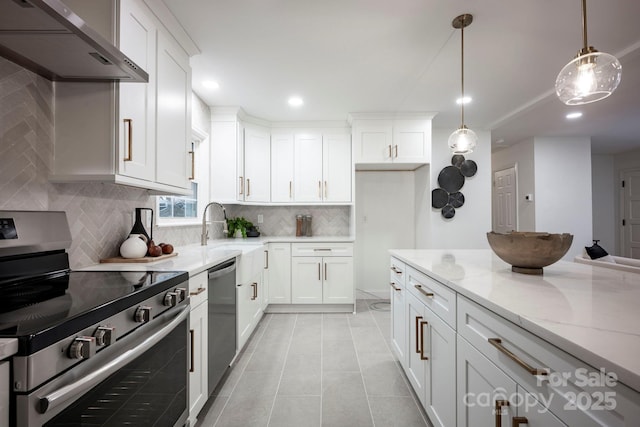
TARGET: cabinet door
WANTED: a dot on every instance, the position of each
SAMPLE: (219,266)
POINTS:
(308,168)
(282,167)
(225,185)
(439,342)
(336,174)
(398,321)
(198,387)
(415,367)
(411,141)
(373,142)
(533,414)
(136,121)
(481,387)
(279,273)
(5,387)
(337,273)
(257,165)
(173,114)
(306,280)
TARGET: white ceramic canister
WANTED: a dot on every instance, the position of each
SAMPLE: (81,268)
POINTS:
(134,247)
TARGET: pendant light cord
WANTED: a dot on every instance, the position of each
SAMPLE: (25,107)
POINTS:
(584,24)
(462,74)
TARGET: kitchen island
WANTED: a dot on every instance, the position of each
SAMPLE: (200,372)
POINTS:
(576,317)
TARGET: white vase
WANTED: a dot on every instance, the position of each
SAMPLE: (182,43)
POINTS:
(134,247)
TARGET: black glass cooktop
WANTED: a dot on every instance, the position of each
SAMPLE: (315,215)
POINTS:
(40,311)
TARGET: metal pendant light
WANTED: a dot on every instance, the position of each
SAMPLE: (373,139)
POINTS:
(591,76)
(463,140)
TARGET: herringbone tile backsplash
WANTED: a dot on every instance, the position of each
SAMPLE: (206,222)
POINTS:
(100,215)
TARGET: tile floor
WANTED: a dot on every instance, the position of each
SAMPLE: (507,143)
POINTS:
(304,370)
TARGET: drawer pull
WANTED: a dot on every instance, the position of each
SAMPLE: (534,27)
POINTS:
(321,249)
(198,292)
(497,343)
(422,356)
(418,319)
(393,285)
(390,156)
(254,285)
(519,420)
(498,411)
(423,292)
(192,361)
(395,270)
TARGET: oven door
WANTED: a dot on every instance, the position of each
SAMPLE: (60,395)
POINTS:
(140,380)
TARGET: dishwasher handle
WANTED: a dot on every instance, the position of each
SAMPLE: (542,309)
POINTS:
(222,269)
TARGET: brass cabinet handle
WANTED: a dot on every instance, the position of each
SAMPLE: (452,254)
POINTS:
(198,292)
(193,165)
(254,285)
(390,156)
(395,270)
(497,343)
(418,319)
(241,185)
(393,285)
(423,292)
(129,124)
(519,420)
(320,189)
(192,336)
(422,356)
(395,147)
(290,189)
(498,411)
(319,278)
(325,271)
(266,260)
(248,187)
(325,189)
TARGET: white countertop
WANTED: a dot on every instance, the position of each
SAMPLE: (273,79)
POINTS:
(8,347)
(590,312)
(196,258)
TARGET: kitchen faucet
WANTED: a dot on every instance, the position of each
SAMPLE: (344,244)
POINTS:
(205,232)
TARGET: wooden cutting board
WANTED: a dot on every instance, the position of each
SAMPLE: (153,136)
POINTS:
(132,260)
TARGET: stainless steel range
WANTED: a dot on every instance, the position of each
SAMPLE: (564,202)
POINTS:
(95,348)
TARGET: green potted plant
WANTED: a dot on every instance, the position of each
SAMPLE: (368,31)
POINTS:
(238,224)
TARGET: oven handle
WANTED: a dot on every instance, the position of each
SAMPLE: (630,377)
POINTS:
(84,384)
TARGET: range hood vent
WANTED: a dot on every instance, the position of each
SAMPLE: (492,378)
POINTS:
(46,37)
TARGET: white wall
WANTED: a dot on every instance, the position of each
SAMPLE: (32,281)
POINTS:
(563,182)
(521,156)
(384,220)
(603,184)
(468,228)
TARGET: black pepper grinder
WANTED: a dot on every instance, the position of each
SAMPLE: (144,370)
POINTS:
(138,228)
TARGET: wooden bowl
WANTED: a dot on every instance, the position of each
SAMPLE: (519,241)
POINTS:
(528,252)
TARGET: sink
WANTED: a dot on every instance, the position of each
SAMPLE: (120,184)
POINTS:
(250,263)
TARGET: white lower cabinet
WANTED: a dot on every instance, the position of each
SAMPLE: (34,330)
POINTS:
(398,311)
(278,273)
(198,336)
(326,279)
(249,308)
(5,387)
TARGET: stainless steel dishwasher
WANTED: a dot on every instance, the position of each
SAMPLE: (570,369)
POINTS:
(222,320)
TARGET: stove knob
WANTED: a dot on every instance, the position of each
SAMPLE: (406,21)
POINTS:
(82,348)
(170,299)
(105,335)
(182,294)
(142,314)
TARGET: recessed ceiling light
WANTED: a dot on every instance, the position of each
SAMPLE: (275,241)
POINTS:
(296,101)
(465,100)
(211,84)
(575,115)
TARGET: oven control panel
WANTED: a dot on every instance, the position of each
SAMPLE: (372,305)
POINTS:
(8,229)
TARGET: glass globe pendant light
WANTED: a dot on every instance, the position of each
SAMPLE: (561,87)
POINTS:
(591,76)
(463,140)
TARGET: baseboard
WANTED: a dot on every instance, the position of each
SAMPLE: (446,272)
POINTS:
(310,308)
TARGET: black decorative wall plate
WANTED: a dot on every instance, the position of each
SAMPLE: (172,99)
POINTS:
(451,179)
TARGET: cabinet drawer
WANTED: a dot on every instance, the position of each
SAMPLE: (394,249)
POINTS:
(198,288)
(322,249)
(398,272)
(438,297)
(568,382)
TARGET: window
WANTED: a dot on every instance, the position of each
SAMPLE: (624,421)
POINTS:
(187,210)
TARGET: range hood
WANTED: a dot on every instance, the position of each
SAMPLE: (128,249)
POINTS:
(46,37)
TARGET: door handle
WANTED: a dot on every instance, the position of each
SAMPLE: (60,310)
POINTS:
(393,285)
(422,356)
(129,124)
(192,336)
(193,165)
(519,420)
(248,187)
(241,185)
(498,411)
(418,319)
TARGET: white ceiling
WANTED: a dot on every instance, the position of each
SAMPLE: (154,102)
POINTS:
(347,56)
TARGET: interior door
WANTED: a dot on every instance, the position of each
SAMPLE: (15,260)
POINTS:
(505,201)
(631,214)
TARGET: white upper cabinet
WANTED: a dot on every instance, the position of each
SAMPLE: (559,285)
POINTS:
(257,164)
(282,161)
(226,140)
(384,142)
(337,168)
(308,167)
(135,134)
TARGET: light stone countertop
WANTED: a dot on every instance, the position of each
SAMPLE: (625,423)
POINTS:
(8,347)
(590,312)
(196,258)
